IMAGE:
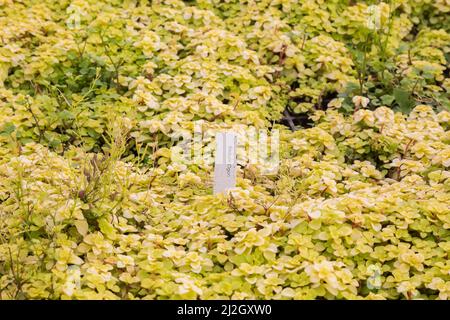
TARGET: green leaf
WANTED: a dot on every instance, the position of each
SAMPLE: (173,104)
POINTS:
(106,228)
(8,128)
(369,84)
(387,99)
(351,87)
(404,100)
(55,143)
(66,115)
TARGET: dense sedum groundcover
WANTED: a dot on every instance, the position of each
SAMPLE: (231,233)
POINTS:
(92,94)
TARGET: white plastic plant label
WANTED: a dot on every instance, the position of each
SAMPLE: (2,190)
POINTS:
(225,161)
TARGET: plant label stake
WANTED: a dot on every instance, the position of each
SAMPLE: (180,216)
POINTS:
(225,162)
